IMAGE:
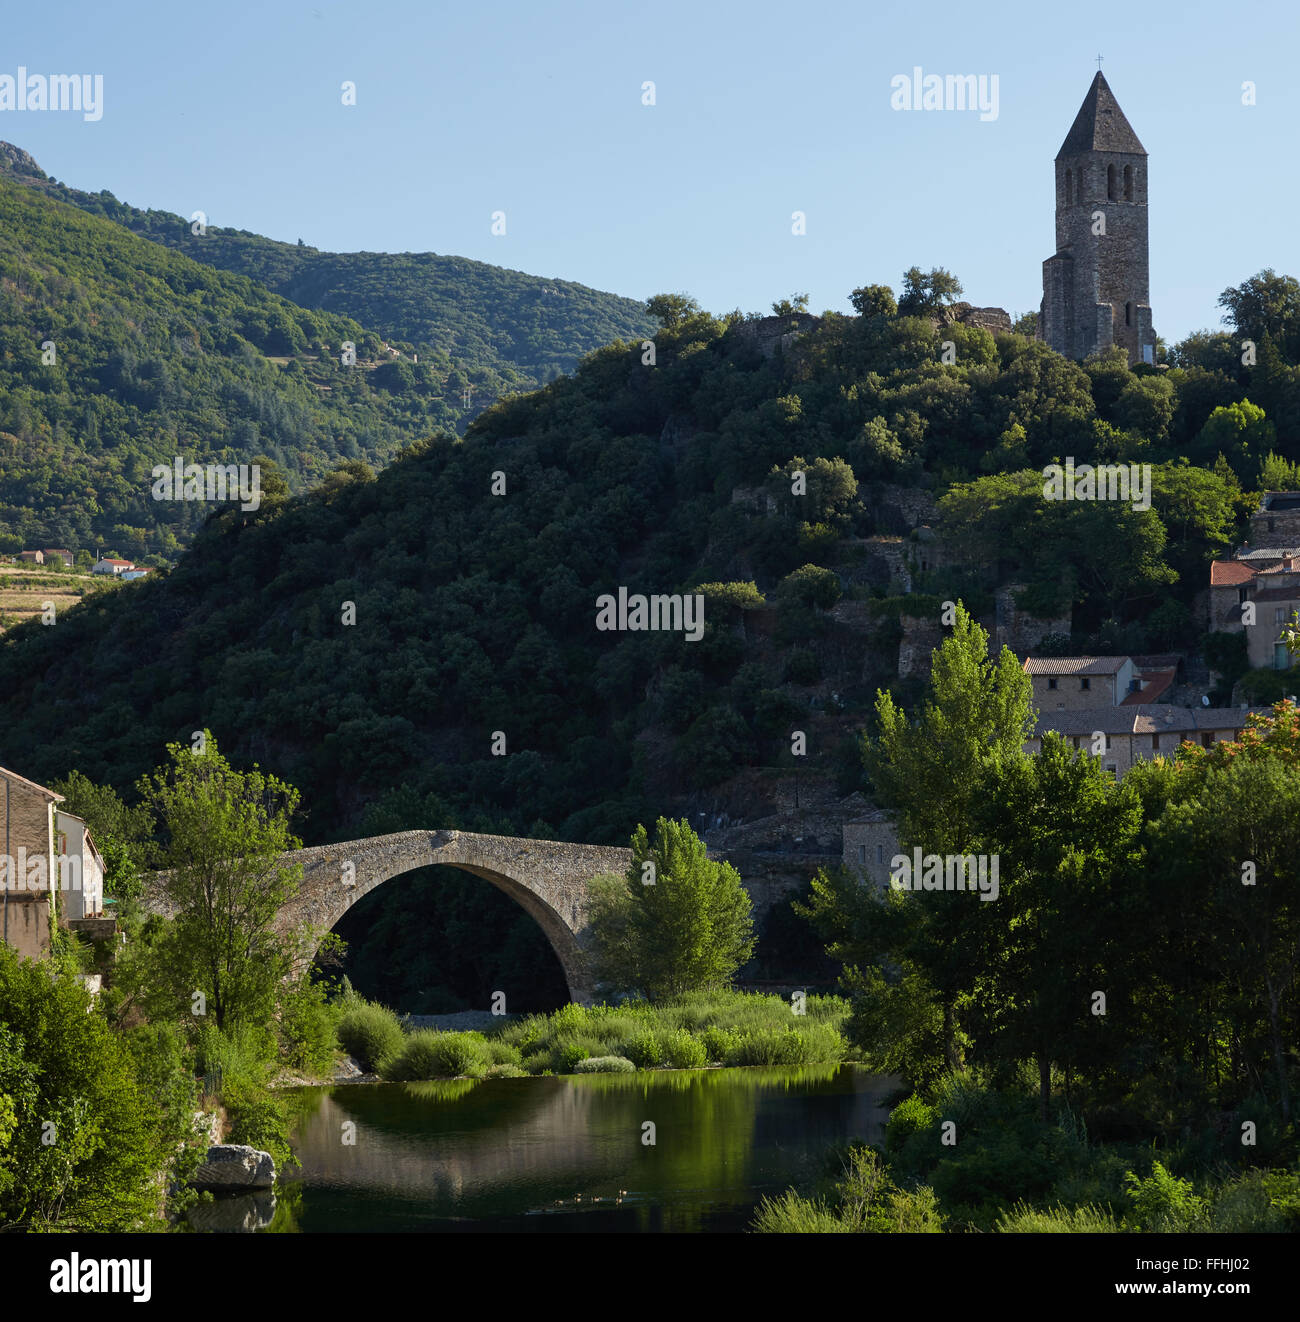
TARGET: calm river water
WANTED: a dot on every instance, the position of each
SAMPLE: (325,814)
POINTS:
(551,1154)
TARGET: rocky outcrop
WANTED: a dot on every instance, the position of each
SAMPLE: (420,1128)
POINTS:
(963,314)
(235,1166)
(13,160)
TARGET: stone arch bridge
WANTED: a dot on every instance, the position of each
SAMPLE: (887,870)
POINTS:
(546,878)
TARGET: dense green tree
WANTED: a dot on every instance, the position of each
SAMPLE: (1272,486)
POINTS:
(80,1139)
(926,292)
(677,921)
(222,880)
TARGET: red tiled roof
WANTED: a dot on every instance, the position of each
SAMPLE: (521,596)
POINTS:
(1228,573)
(1154,683)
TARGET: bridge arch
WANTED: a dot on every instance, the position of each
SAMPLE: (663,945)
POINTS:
(548,879)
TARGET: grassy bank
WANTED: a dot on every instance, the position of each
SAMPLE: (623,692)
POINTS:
(686,1032)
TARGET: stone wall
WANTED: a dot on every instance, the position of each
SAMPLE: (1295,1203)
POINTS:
(920,637)
(1018,629)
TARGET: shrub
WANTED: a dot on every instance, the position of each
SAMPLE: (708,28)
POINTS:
(807,1045)
(907,1118)
(503,1053)
(1163,1203)
(371,1033)
(573,1048)
(910,1213)
(792,1215)
(681,1051)
(644,1050)
(1026,1220)
(428,1054)
(60,1062)
(504,1070)
(717,1043)
(259,1119)
(307,1027)
(605,1065)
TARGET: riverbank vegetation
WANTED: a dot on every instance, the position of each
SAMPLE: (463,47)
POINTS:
(1108,1036)
(106,1101)
(689,1031)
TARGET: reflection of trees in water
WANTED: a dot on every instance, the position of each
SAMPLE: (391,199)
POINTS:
(500,1147)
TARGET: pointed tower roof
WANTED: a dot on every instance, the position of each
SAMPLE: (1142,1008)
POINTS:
(1100,125)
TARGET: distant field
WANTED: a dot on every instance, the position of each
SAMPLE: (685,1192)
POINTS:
(24,591)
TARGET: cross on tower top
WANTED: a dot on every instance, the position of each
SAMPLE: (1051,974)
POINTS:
(1099,59)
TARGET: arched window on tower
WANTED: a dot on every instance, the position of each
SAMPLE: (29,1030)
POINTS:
(1128,183)
(1110,183)
(1069,179)
(1128,314)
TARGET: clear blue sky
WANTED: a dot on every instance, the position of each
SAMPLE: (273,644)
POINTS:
(763,107)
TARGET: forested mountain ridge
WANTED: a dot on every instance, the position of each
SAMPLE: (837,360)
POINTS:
(475,606)
(117,354)
(482,326)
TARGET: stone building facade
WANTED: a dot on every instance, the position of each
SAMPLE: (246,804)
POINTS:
(1140,732)
(1078,683)
(1096,287)
(27,904)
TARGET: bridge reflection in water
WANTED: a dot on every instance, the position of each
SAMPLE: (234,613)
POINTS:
(567,1153)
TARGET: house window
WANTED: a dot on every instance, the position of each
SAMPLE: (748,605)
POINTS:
(1155,742)
(1128,314)
(1207,741)
(1085,683)
(1281,657)
(1279,614)
(1051,683)
(1128,183)
(1112,769)
(862,855)
(1242,594)
(1110,183)
(1074,739)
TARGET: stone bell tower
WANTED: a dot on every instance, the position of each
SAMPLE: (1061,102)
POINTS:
(1096,289)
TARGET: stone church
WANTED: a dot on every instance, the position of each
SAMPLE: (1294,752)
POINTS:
(1096,289)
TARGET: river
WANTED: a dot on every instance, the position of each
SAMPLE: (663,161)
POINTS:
(569,1153)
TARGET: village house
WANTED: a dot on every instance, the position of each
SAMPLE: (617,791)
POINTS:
(58,555)
(27,902)
(1079,683)
(32,557)
(1124,735)
(1257,590)
(81,870)
(110,565)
